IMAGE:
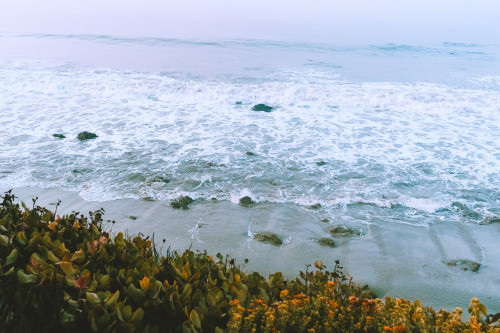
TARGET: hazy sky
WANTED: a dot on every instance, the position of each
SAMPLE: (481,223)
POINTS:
(311,20)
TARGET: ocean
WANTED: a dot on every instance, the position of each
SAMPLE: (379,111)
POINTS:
(370,136)
(410,135)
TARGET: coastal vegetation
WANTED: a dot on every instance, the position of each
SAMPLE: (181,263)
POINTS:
(70,273)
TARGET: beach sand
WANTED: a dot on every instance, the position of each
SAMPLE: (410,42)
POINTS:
(396,259)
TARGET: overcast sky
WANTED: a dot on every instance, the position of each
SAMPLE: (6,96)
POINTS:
(308,20)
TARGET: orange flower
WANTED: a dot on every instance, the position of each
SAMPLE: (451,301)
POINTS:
(333,303)
(234,302)
(399,328)
(387,329)
(53,226)
(144,283)
(284,293)
(330,284)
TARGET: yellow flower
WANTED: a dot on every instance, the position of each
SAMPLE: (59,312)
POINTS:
(53,226)
(144,283)
(284,293)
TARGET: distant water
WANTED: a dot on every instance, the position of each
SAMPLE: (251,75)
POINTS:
(384,133)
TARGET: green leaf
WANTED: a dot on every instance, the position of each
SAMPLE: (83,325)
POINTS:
(112,299)
(9,272)
(482,308)
(12,257)
(127,312)
(137,316)
(66,318)
(92,298)
(24,278)
(4,240)
(195,319)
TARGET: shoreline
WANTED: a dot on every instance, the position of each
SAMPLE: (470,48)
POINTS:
(396,260)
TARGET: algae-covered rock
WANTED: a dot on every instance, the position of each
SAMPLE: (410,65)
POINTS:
(262,107)
(465,265)
(315,206)
(131,217)
(490,220)
(249,153)
(326,242)
(57,135)
(86,136)
(268,237)
(181,202)
(320,163)
(246,201)
(343,231)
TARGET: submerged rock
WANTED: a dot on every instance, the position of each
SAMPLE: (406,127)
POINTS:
(249,153)
(326,242)
(131,217)
(181,202)
(238,103)
(465,264)
(490,220)
(466,211)
(262,107)
(320,163)
(86,136)
(343,231)
(246,201)
(60,136)
(315,206)
(268,237)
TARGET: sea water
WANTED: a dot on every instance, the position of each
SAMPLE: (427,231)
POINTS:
(387,133)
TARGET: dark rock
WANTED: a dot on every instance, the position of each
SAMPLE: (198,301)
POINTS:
(262,107)
(181,202)
(246,201)
(132,217)
(238,103)
(320,163)
(466,211)
(343,231)
(268,237)
(326,242)
(249,153)
(315,206)
(86,136)
(60,136)
(490,220)
(465,264)
(325,220)
(147,199)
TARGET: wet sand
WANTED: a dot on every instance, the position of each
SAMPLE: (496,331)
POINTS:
(398,260)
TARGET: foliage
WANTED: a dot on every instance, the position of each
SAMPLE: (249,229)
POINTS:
(69,274)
